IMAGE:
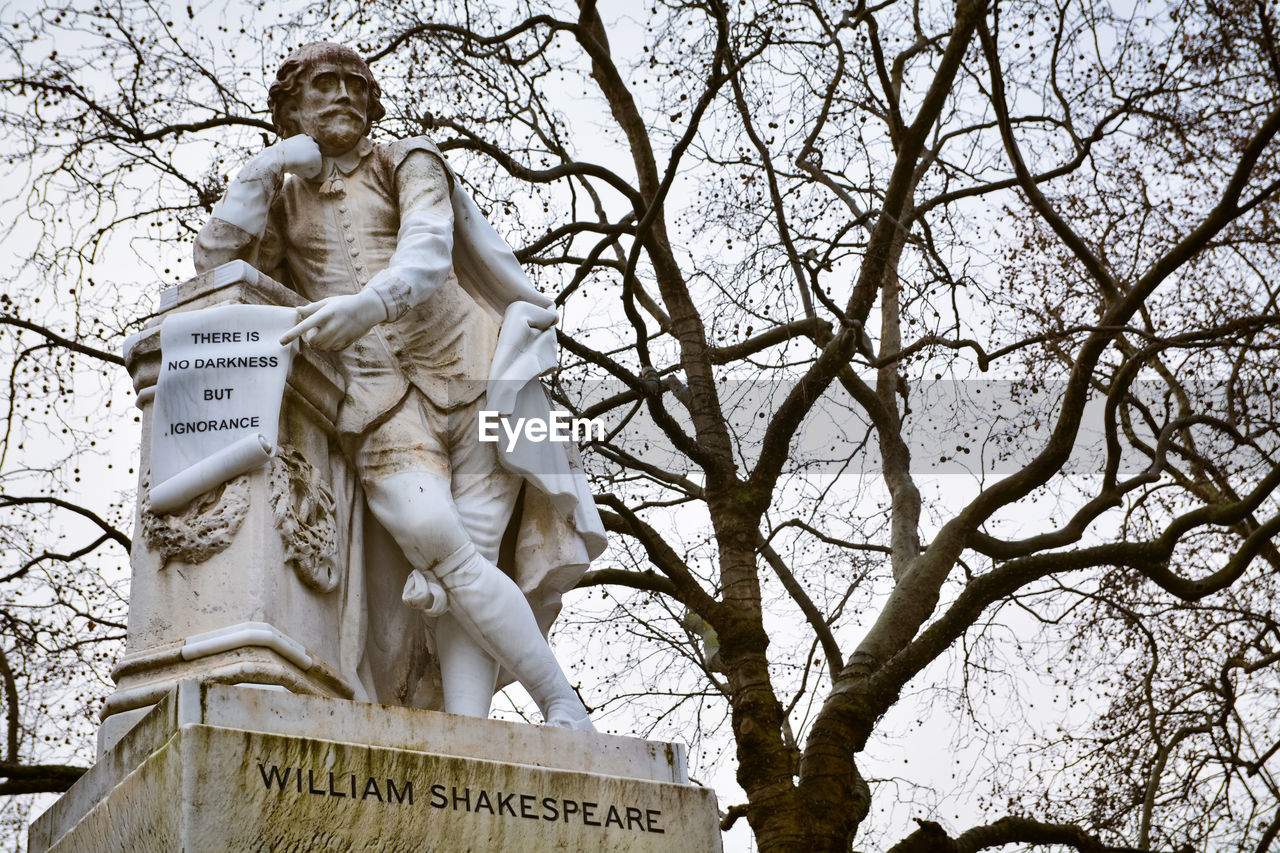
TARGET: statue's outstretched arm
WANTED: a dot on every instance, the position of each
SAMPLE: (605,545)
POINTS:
(421,262)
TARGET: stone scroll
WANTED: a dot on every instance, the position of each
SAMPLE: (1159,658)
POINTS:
(222,379)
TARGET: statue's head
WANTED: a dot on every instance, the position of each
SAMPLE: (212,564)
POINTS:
(327,92)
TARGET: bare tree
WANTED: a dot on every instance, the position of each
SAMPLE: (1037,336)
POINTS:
(936,343)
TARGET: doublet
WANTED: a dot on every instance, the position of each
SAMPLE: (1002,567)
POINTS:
(334,235)
(390,219)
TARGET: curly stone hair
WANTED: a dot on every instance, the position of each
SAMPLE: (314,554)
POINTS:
(289,79)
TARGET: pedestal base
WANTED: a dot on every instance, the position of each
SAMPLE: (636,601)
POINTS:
(217,768)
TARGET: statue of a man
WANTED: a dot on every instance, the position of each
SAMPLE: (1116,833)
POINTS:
(371,234)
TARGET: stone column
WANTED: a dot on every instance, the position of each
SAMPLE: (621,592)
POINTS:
(249,583)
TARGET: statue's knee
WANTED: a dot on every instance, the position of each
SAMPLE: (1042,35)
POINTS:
(387,510)
(422,524)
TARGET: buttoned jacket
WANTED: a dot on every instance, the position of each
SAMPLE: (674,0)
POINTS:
(424,239)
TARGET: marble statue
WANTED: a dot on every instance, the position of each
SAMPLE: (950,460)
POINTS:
(432,322)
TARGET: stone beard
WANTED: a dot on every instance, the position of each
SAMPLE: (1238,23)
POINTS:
(371,234)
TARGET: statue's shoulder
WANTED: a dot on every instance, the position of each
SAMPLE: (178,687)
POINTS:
(394,153)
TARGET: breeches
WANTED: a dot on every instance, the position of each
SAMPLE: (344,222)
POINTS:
(419,437)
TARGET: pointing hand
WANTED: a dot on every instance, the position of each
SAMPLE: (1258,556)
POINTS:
(335,323)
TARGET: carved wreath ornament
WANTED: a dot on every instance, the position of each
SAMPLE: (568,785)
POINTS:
(203,528)
(302,507)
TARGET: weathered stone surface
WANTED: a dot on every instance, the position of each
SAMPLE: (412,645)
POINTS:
(231,565)
(216,768)
(431,321)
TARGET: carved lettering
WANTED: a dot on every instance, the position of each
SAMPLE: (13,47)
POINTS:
(400,795)
(274,775)
(345,785)
(216,337)
(341,785)
(465,798)
(215,425)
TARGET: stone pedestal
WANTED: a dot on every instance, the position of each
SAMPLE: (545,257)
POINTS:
(221,769)
(246,585)
(260,582)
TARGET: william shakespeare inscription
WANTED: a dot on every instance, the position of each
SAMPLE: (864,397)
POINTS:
(538,805)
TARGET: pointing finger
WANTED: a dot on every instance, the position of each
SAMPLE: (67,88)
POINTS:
(302,328)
